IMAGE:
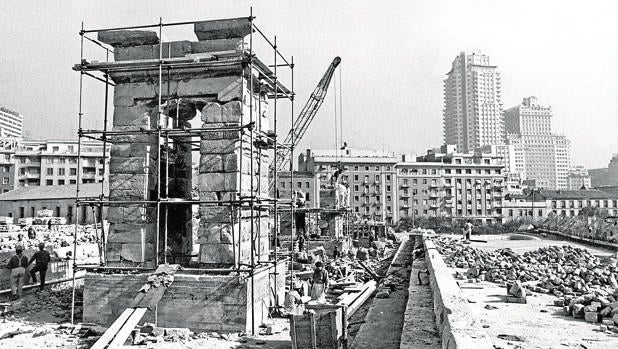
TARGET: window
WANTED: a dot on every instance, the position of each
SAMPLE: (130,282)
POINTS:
(356,198)
(355,168)
(388,177)
(405,182)
(50,171)
(307,197)
(306,184)
(22,212)
(388,188)
(366,168)
(377,168)
(468,171)
(458,171)
(283,185)
(72,161)
(356,209)
(356,188)
(448,171)
(5,169)
(49,161)
(73,171)
(299,185)
(355,177)
(5,180)
(61,182)
(377,178)
(414,181)
(424,180)
(388,198)
(62,160)
(434,171)
(72,181)
(55,149)
(50,182)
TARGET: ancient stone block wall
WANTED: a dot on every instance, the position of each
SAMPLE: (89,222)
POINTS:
(222,98)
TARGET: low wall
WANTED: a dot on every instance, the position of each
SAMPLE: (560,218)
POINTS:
(198,302)
(454,317)
(594,242)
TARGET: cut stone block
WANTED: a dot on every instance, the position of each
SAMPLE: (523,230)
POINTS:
(126,38)
(132,165)
(212,113)
(217,181)
(232,91)
(134,194)
(141,182)
(222,29)
(220,146)
(217,195)
(178,49)
(211,163)
(204,86)
(216,254)
(231,112)
(134,252)
(230,163)
(131,214)
(233,44)
(141,113)
(125,94)
(131,233)
(216,214)
(129,149)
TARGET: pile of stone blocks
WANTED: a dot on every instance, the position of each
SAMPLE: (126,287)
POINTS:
(230,168)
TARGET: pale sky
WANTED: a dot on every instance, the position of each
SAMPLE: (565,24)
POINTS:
(395,55)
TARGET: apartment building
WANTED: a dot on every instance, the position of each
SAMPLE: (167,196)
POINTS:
(11,123)
(537,153)
(305,182)
(55,162)
(578,178)
(472,114)
(370,176)
(568,203)
(446,183)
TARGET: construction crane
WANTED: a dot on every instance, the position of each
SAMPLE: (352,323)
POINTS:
(302,122)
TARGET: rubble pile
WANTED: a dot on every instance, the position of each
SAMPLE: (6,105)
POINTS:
(58,236)
(54,303)
(585,286)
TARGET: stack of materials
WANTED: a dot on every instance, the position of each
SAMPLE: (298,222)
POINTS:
(592,307)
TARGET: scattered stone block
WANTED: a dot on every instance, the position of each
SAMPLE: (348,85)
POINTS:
(591,316)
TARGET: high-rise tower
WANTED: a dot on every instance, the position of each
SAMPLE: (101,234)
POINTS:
(473,104)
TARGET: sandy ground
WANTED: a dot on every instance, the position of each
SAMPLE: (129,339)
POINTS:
(539,324)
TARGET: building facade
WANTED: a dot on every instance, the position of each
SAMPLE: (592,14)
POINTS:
(300,182)
(453,185)
(370,176)
(11,123)
(8,145)
(538,204)
(607,176)
(578,179)
(537,153)
(55,162)
(473,103)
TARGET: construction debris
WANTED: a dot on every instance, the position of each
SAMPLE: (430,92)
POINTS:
(584,284)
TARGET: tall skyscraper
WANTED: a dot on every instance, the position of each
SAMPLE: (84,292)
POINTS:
(10,123)
(473,104)
(538,153)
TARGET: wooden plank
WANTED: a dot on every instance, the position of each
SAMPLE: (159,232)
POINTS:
(293,331)
(125,331)
(113,329)
(314,344)
(333,328)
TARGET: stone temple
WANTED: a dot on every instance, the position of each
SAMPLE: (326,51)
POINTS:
(161,90)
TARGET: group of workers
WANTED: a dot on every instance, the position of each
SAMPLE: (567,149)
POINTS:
(19,263)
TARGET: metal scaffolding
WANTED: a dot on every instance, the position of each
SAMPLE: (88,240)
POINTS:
(269,85)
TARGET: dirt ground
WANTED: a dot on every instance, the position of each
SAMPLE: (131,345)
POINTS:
(537,324)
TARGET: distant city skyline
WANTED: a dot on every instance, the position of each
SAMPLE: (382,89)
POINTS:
(394,59)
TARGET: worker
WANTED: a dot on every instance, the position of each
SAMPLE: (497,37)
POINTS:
(301,242)
(31,233)
(320,283)
(42,261)
(291,305)
(336,253)
(17,264)
(49,225)
(467,231)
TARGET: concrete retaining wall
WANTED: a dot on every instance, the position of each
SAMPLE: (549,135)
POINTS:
(455,319)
